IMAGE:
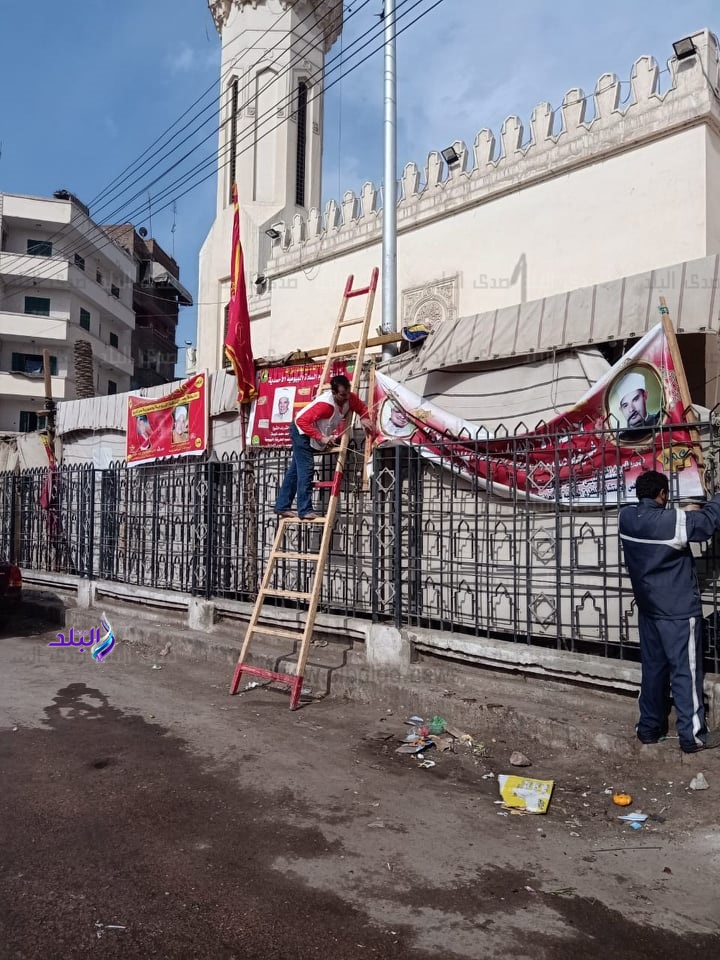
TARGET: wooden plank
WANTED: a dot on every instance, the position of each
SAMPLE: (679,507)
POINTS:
(277,632)
(300,355)
(367,450)
(669,331)
(291,555)
(289,594)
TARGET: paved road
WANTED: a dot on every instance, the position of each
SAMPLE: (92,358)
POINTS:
(146,814)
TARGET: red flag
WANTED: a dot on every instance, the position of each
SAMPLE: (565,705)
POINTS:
(237,340)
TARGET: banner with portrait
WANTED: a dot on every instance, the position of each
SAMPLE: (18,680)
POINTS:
(633,419)
(282,393)
(175,425)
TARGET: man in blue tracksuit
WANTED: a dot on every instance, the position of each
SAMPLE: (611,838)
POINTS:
(662,570)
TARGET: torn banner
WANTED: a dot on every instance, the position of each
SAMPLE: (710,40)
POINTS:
(631,420)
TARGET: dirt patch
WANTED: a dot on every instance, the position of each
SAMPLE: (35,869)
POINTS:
(116,843)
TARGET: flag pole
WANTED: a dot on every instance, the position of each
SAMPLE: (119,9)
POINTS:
(688,410)
(238,348)
(243,408)
(389,238)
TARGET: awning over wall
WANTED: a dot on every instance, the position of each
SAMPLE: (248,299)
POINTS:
(619,310)
(526,393)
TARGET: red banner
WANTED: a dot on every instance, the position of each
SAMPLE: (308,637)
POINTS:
(171,426)
(632,420)
(282,393)
(237,340)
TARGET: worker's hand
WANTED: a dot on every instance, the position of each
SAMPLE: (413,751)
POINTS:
(327,439)
(366,424)
(692,506)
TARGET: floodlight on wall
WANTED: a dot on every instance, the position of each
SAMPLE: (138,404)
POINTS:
(272,233)
(684,48)
(450,156)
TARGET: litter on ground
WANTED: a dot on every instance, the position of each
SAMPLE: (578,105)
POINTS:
(699,783)
(522,793)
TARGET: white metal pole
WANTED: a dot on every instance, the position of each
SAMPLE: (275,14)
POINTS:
(389,274)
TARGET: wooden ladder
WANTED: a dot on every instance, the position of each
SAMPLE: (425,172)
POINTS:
(303,633)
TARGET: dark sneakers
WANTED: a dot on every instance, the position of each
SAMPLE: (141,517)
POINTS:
(712,740)
(649,739)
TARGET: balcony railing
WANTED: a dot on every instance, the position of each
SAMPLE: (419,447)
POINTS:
(47,270)
(26,326)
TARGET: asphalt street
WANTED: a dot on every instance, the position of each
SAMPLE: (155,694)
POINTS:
(148,814)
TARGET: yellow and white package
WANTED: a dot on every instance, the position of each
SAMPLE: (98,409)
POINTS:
(522,793)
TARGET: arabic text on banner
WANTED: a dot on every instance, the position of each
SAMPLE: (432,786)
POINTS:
(630,421)
(282,393)
(171,426)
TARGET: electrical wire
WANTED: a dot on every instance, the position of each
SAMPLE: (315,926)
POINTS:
(132,168)
(182,181)
(251,134)
(118,213)
(298,56)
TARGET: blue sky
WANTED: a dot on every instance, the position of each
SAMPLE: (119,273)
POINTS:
(89,85)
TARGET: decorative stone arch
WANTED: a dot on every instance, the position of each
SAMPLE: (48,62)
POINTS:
(432,303)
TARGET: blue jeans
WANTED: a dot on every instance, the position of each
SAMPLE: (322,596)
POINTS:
(299,478)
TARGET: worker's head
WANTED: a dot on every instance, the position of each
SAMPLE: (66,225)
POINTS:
(340,386)
(632,392)
(652,485)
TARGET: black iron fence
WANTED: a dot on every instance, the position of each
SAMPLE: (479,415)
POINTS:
(423,544)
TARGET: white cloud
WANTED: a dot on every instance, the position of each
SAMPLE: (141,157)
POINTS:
(187,59)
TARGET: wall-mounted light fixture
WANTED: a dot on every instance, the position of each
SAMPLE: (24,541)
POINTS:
(684,48)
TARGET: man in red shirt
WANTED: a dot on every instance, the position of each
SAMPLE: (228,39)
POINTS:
(318,425)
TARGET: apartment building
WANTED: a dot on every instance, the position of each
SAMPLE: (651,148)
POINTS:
(157,298)
(63,279)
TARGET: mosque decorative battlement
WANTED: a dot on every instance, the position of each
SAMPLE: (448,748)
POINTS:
(583,131)
(329,14)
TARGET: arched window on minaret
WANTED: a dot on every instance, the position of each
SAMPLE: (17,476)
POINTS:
(301,148)
(267,140)
(232,136)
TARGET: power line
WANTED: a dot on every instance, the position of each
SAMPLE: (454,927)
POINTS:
(117,214)
(251,134)
(120,214)
(311,44)
(284,101)
(130,169)
(219,156)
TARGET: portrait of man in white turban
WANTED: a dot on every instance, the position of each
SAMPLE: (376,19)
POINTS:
(631,399)
(394,421)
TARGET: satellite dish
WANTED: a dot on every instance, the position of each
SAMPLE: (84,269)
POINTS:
(143,232)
